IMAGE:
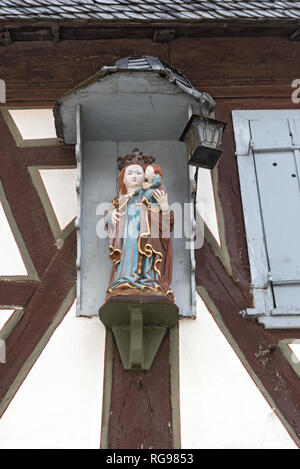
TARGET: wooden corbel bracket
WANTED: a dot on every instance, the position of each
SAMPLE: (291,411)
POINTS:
(139,325)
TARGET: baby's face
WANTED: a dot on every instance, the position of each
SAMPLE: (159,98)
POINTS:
(149,172)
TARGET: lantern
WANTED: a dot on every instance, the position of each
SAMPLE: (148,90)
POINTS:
(202,136)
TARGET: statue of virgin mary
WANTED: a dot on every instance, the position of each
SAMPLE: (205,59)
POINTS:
(139,234)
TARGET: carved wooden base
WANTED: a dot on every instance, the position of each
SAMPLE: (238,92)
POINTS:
(145,292)
(139,323)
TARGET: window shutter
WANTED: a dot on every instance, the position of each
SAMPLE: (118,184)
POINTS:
(268,153)
(279,193)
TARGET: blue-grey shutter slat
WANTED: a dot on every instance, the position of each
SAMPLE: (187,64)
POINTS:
(295,131)
(270,134)
(279,192)
(287,297)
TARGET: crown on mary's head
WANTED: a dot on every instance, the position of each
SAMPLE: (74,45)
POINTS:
(135,157)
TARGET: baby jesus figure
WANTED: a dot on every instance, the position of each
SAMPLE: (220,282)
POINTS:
(153,176)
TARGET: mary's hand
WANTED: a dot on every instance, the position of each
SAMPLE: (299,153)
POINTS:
(115,216)
(161,198)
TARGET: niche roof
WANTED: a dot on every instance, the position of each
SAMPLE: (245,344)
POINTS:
(149,10)
(137,99)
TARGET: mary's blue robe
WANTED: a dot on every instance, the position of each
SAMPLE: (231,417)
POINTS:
(128,270)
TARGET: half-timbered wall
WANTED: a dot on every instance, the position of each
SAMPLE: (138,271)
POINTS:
(221,380)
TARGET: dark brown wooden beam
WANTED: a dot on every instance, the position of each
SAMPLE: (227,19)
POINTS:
(5,37)
(53,155)
(225,67)
(42,30)
(25,203)
(39,312)
(16,293)
(140,410)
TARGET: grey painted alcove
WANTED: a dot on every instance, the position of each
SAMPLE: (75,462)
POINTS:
(99,185)
(107,116)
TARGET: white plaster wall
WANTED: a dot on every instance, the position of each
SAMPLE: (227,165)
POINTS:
(34,123)
(11,262)
(5,314)
(60,185)
(220,405)
(59,405)
(296,351)
(206,202)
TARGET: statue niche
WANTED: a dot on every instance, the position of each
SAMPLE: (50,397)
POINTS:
(139,304)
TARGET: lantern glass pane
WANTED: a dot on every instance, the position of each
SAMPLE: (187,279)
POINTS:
(209,133)
(200,128)
(192,139)
(217,135)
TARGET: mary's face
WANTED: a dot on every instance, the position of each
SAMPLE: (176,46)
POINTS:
(134,177)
